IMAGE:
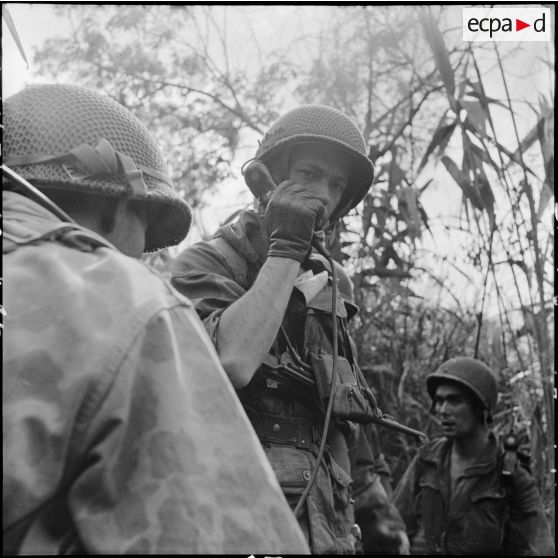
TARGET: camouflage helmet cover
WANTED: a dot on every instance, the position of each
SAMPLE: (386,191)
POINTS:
(64,136)
(471,374)
(320,123)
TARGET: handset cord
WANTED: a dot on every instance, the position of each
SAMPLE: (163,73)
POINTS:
(261,184)
(317,244)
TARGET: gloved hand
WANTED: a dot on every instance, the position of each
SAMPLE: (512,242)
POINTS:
(290,217)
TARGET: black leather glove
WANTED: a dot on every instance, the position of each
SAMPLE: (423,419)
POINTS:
(290,217)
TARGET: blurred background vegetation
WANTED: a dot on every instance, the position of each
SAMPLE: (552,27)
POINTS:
(451,252)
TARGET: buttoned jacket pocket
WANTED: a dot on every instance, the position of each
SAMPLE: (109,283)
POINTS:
(485,521)
(430,506)
(342,486)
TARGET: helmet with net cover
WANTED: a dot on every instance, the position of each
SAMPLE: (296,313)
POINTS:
(320,123)
(470,373)
(68,137)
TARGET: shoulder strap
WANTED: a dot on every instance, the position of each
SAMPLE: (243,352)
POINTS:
(237,265)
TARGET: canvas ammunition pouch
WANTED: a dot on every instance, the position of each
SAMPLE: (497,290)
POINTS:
(352,398)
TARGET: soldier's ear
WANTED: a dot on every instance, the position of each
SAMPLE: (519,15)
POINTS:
(111,211)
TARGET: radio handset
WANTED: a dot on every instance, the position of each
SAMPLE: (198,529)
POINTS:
(261,184)
(258,179)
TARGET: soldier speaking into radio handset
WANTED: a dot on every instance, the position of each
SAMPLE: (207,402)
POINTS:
(271,304)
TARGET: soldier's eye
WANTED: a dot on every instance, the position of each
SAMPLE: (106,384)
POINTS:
(307,173)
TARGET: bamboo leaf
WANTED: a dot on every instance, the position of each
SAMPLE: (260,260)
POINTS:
(469,125)
(423,216)
(441,56)
(462,181)
(473,167)
(483,186)
(545,197)
(367,212)
(476,113)
(439,140)
(462,85)
(425,185)
(484,156)
(523,266)
(545,131)
(529,139)
(11,26)
(407,202)
(396,173)
(549,64)
(477,93)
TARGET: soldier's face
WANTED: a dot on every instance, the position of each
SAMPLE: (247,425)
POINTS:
(130,227)
(455,410)
(322,169)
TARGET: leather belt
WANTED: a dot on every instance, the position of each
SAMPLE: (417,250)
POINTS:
(290,431)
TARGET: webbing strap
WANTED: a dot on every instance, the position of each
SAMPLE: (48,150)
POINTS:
(100,160)
(236,263)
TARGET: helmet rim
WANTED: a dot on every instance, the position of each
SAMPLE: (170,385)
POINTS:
(166,226)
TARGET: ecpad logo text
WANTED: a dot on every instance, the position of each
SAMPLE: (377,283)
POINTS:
(506,24)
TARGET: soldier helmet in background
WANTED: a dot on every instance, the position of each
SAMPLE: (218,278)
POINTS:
(470,373)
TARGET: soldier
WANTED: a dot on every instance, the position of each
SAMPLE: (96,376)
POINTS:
(121,430)
(268,301)
(454,496)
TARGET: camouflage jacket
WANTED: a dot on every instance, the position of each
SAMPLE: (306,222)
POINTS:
(348,482)
(481,517)
(121,431)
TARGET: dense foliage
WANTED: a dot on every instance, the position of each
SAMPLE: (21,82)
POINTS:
(442,122)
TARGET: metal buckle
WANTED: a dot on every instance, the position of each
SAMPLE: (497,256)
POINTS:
(75,174)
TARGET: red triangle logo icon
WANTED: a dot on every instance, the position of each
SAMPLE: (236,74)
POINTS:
(519,25)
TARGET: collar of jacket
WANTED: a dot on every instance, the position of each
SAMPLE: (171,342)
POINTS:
(438,450)
(26,221)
